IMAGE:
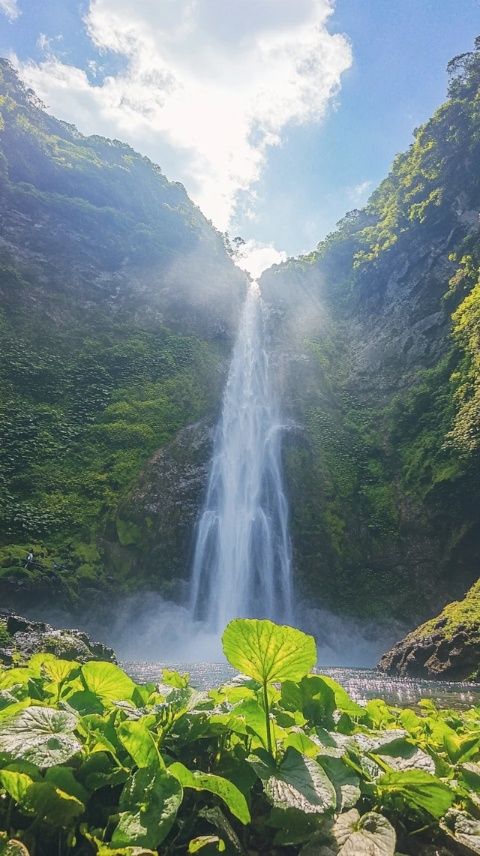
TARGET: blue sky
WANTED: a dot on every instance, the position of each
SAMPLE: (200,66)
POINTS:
(277,115)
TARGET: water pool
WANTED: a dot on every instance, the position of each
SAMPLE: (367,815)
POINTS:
(361,684)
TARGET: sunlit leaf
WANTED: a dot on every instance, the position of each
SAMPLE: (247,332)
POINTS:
(418,789)
(297,782)
(148,806)
(13,848)
(227,791)
(52,804)
(139,743)
(460,749)
(15,784)
(41,735)
(55,669)
(107,681)
(210,841)
(175,679)
(11,677)
(268,652)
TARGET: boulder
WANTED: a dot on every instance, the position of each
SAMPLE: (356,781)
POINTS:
(21,637)
(447,647)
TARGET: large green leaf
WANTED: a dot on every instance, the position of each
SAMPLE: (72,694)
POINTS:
(227,791)
(148,806)
(107,681)
(268,652)
(15,784)
(11,677)
(297,782)
(313,697)
(464,829)
(402,755)
(344,780)
(64,778)
(460,749)
(99,771)
(352,835)
(52,804)
(418,789)
(41,735)
(293,827)
(343,701)
(52,667)
(139,743)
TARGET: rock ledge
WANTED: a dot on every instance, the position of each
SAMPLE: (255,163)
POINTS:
(447,647)
(22,637)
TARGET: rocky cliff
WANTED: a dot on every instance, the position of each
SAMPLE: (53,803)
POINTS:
(377,334)
(118,306)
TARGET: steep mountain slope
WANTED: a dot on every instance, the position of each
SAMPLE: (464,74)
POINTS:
(377,333)
(118,304)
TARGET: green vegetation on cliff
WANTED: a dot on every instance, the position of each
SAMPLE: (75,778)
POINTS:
(464,613)
(447,646)
(118,300)
(384,479)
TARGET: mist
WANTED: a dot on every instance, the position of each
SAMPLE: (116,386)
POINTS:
(145,627)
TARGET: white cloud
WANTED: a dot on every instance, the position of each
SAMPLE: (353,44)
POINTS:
(10,9)
(256,257)
(359,193)
(207,88)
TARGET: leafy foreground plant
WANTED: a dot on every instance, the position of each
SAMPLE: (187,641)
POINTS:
(279,761)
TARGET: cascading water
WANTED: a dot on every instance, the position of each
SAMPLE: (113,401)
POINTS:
(242,560)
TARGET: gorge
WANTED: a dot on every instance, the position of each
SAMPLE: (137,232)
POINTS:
(120,306)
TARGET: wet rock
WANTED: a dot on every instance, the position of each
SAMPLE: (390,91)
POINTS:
(21,637)
(447,647)
(154,527)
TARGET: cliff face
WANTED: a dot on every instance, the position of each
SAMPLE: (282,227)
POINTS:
(447,646)
(377,333)
(119,303)
(119,306)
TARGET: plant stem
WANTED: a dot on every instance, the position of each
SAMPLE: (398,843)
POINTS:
(267,719)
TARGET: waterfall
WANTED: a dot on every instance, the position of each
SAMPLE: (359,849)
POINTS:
(242,559)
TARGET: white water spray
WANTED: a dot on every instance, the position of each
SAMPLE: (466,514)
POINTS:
(242,561)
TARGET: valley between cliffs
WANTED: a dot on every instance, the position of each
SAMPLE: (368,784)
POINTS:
(120,302)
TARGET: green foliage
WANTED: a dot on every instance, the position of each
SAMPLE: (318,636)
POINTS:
(268,652)
(67,463)
(424,181)
(5,637)
(96,372)
(461,615)
(466,331)
(91,762)
(384,481)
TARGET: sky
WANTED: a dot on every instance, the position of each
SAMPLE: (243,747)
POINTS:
(278,116)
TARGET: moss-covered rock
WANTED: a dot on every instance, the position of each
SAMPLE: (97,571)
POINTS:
(21,637)
(447,646)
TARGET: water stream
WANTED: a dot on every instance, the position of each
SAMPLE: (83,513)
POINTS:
(242,560)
